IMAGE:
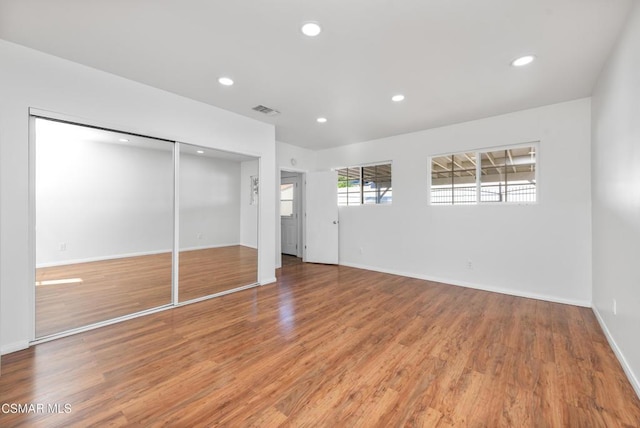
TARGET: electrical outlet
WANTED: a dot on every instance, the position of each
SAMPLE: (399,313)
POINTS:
(615,307)
(63,246)
(469,264)
(199,235)
(361,250)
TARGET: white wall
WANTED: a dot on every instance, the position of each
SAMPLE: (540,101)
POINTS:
(248,212)
(209,202)
(304,160)
(32,79)
(101,200)
(113,200)
(616,198)
(540,250)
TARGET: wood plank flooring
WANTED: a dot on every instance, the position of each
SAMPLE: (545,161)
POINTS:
(118,287)
(336,347)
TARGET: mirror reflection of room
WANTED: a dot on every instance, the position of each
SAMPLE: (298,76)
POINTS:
(104,225)
(218,222)
(105,218)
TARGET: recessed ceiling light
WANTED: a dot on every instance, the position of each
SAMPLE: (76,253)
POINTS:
(311,29)
(200,152)
(523,60)
(123,140)
(397,98)
(321,120)
(225,81)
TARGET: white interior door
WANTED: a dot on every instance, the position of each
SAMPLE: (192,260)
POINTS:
(322,229)
(289,218)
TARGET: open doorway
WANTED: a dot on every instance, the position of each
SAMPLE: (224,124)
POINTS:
(291,239)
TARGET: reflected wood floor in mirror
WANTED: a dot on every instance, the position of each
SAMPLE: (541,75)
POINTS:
(210,271)
(332,346)
(80,294)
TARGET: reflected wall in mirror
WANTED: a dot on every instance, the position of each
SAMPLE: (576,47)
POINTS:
(218,224)
(104,225)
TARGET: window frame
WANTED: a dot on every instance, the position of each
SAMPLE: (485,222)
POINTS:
(478,154)
(361,191)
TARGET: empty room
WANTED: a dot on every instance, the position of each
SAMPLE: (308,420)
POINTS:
(296,213)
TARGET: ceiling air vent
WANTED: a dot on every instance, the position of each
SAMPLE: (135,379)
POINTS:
(266,110)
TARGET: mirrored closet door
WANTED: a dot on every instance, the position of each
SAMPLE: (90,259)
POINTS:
(104,225)
(218,217)
(108,208)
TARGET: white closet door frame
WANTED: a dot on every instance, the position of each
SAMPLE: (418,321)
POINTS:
(38,113)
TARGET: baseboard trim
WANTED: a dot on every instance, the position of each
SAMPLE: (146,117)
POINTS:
(100,258)
(633,379)
(124,256)
(14,347)
(536,296)
(209,247)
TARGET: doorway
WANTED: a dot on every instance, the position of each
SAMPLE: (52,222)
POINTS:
(291,213)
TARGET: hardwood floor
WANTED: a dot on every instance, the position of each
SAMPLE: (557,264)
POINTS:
(332,346)
(118,287)
(288,260)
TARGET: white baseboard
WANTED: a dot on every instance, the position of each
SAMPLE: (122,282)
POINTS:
(268,281)
(13,347)
(99,258)
(255,247)
(208,247)
(517,293)
(124,256)
(633,379)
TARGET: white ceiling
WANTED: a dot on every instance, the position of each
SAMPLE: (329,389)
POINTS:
(449,57)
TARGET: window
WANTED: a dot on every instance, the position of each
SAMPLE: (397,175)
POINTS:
(366,185)
(510,175)
(349,190)
(498,175)
(453,179)
(286,200)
